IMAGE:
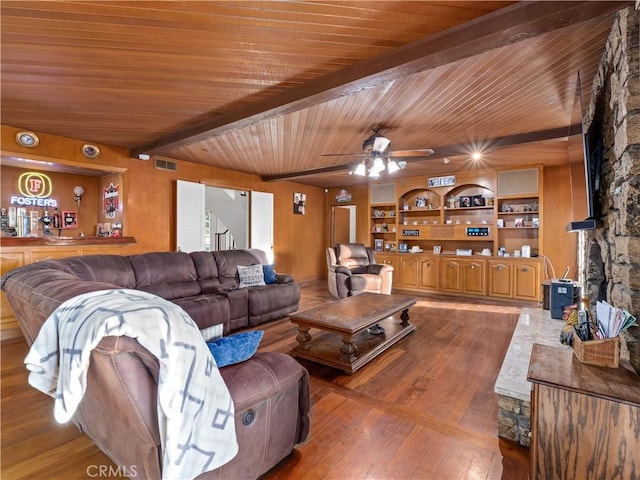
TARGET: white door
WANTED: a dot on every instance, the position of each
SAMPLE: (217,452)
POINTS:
(190,216)
(262,222)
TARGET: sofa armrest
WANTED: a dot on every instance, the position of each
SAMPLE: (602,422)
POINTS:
(284,278)
(340,269)
(379,269)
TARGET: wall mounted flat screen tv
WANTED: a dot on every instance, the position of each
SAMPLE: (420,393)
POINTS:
(585,151)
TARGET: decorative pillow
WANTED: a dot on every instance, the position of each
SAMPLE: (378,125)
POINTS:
(250,276)
(269,272)
(235,348)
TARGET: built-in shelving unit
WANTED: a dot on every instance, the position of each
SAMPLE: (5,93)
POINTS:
(467,239)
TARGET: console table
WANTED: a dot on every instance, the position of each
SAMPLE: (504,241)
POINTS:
(585,420)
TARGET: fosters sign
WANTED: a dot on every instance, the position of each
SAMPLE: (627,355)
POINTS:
(35,189)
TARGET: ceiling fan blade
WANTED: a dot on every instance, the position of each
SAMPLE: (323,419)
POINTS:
(341,154)
(421,152)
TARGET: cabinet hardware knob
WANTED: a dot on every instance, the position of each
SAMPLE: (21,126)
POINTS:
(525,269)
(472,267)
(499,269)
(451,265)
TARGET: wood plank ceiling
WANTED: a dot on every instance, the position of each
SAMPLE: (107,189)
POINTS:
(268,87)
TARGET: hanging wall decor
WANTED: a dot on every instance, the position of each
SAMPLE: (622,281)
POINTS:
(299,203)
(111,200)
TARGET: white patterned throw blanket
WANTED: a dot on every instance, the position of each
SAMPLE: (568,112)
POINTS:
(195,409)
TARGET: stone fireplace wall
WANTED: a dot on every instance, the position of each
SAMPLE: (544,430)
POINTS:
(613,249)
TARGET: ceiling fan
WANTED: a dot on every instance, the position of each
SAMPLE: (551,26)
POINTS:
(378,156)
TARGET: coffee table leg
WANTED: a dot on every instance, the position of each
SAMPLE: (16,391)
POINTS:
(404,316)
(303,338)
(349,350)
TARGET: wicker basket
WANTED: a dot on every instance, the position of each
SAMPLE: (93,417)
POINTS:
(602,353)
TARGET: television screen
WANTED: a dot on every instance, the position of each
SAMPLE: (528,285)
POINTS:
(584,170)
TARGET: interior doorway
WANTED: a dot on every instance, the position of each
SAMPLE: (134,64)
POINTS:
(216,218)
(343,224)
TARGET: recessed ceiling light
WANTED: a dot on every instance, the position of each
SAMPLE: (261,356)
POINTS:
(27,139)
(90,151)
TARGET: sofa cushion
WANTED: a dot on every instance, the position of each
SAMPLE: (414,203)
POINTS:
(206,310)
(114,269)
(207,271)
(169,275)
(228,261)
(272,301)
(250,276)
(352,255)
(235,348)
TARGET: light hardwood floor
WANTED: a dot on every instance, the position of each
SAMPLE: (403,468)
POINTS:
(425,409)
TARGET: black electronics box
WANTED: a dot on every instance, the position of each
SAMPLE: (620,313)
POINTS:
(564,293)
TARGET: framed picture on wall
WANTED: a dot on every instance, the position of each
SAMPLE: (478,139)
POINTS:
(69,219)
(299,203)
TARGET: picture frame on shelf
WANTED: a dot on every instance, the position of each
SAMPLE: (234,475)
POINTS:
(519,222)
(500,223)
(437,249)
(465,201)
(69,219)
(478,201)
(403,248)
(378,245)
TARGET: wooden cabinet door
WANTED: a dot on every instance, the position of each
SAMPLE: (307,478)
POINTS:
(408,274)
(450,275)
(527,281)
(500,279)
(473,277)
(429,273)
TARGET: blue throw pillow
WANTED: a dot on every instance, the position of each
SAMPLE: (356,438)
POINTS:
(269,272)
(235,348)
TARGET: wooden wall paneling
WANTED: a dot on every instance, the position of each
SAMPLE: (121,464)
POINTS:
(149,203)
(560,245)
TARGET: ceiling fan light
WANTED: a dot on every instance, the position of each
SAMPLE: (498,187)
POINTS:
(373,173)
(381,144)
(360,170)
(376,143)
(378,164)
(392,166)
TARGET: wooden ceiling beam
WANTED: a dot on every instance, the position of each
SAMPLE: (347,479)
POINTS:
(445,151)
(506,26)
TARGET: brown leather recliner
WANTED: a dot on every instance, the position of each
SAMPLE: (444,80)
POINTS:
(353,270)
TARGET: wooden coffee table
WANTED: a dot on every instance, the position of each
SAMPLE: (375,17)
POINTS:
(346,343)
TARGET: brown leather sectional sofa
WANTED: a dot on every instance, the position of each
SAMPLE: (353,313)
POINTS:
(270,390)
